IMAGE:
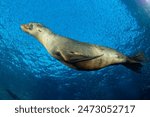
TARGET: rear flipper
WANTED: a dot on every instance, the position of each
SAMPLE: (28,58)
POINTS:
(135,63)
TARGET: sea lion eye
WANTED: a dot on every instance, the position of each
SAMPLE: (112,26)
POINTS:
(30,26)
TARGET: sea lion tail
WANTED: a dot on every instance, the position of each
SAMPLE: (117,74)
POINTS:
(135,62)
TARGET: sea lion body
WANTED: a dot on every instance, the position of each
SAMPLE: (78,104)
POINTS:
(75,54)
(83,56)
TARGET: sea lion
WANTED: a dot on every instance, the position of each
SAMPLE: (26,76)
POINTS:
(80,55)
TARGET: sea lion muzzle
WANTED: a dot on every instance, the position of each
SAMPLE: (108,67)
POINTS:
(24,27)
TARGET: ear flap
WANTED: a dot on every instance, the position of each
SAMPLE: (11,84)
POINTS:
(39,30)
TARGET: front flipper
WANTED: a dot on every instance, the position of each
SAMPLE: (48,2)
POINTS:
(81,58)
(74,57)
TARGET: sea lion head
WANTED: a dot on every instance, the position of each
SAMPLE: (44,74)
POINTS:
(35,29)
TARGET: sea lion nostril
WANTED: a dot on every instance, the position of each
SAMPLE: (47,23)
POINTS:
(24,26)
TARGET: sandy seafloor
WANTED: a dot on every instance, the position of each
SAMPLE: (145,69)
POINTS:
(27,71)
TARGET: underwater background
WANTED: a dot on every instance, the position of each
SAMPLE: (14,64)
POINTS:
(27,71)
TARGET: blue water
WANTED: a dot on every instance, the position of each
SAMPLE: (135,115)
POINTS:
(29,72)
